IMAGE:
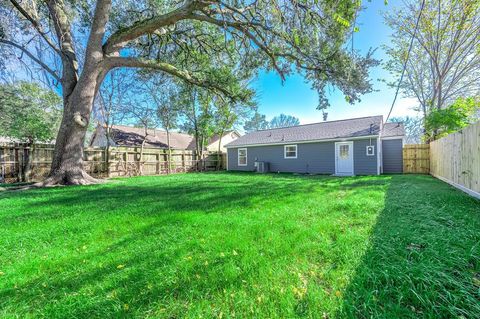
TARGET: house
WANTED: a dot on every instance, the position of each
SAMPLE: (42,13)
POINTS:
(122,135)
(227,137)
(359,146)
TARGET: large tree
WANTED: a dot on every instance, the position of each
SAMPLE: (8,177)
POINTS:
(414,129)
(444,63)
(29,114)
(283,120)
(256,122)
(87,39)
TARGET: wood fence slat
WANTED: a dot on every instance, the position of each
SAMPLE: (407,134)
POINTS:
(456,159)
(122,161)
(416,158)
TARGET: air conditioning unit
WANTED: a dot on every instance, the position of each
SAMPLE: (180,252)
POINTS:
(261,167)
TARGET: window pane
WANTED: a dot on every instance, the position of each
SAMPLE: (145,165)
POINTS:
(344,149)
(242,157)
(291,151)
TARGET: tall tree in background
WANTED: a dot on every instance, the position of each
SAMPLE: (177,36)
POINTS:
(461,113)
(111,104)
(145,116)
(226,115)
(167,36)
(168,105)
(256,122)
(413,128)
(29,114)
(283,120)
(444,63)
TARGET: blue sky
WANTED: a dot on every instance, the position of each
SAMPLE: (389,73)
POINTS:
(296,98)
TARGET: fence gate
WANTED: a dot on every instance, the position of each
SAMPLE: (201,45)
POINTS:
(416,158)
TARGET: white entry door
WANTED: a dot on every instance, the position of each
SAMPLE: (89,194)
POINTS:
(344,158)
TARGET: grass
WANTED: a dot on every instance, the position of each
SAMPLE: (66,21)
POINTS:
(241,245)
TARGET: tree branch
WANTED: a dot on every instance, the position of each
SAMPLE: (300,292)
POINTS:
(97,31)
(65,39)
(242,28)
(31,56)
(120,38)
(36,25)
(167,68)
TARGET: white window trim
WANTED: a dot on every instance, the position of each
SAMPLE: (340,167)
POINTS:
(285,151)
(246,156)
(366,150)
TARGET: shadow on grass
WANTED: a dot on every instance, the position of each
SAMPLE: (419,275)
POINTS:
(155,248)
(424,255)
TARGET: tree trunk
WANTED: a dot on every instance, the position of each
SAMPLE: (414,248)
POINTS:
(67,165)
(27,167)
(169,159)
(219,158)
(107,149)
(140,164)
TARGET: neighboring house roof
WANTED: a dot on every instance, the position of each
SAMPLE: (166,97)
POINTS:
(123,135)
(357,127)
(393,129)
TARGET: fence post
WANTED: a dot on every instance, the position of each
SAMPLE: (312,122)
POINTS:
(125,155)
(184,166)
(18,165)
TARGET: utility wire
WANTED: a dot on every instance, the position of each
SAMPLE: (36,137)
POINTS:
(406,60)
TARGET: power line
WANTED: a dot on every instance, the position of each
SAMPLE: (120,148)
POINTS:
(406,60)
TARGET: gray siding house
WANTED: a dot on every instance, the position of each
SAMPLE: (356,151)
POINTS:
(360,146)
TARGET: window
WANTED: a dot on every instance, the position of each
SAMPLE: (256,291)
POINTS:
(370,150)
(290,151)
(344,151)
(242,157)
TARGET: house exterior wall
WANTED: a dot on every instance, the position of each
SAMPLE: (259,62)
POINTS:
(392,156)
(213,147)
(363,164)
(315,158)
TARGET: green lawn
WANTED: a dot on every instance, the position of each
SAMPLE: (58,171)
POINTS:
(241,245)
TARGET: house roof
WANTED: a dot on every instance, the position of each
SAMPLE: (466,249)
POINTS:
(133,136)
(393,129)
(216,137)
(350,128)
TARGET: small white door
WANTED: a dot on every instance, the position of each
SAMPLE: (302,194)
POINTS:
(344,158)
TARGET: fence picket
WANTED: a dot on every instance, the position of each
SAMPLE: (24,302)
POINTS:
(123,161)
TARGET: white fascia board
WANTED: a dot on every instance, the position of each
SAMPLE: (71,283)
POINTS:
(342,139)
(397,137)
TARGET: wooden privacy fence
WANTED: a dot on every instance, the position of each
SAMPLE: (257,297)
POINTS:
(456,159)
(416,158)
(120,161)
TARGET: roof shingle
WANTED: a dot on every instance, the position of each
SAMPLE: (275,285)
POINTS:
(393,129)
(349,128)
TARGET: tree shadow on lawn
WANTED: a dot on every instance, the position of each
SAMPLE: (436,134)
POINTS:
(155,264)
(157,247)
(424,255)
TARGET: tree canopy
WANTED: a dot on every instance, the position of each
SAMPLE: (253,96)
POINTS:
(441,122)
(444,62)
(29,113)
(283,120)
(216,45)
